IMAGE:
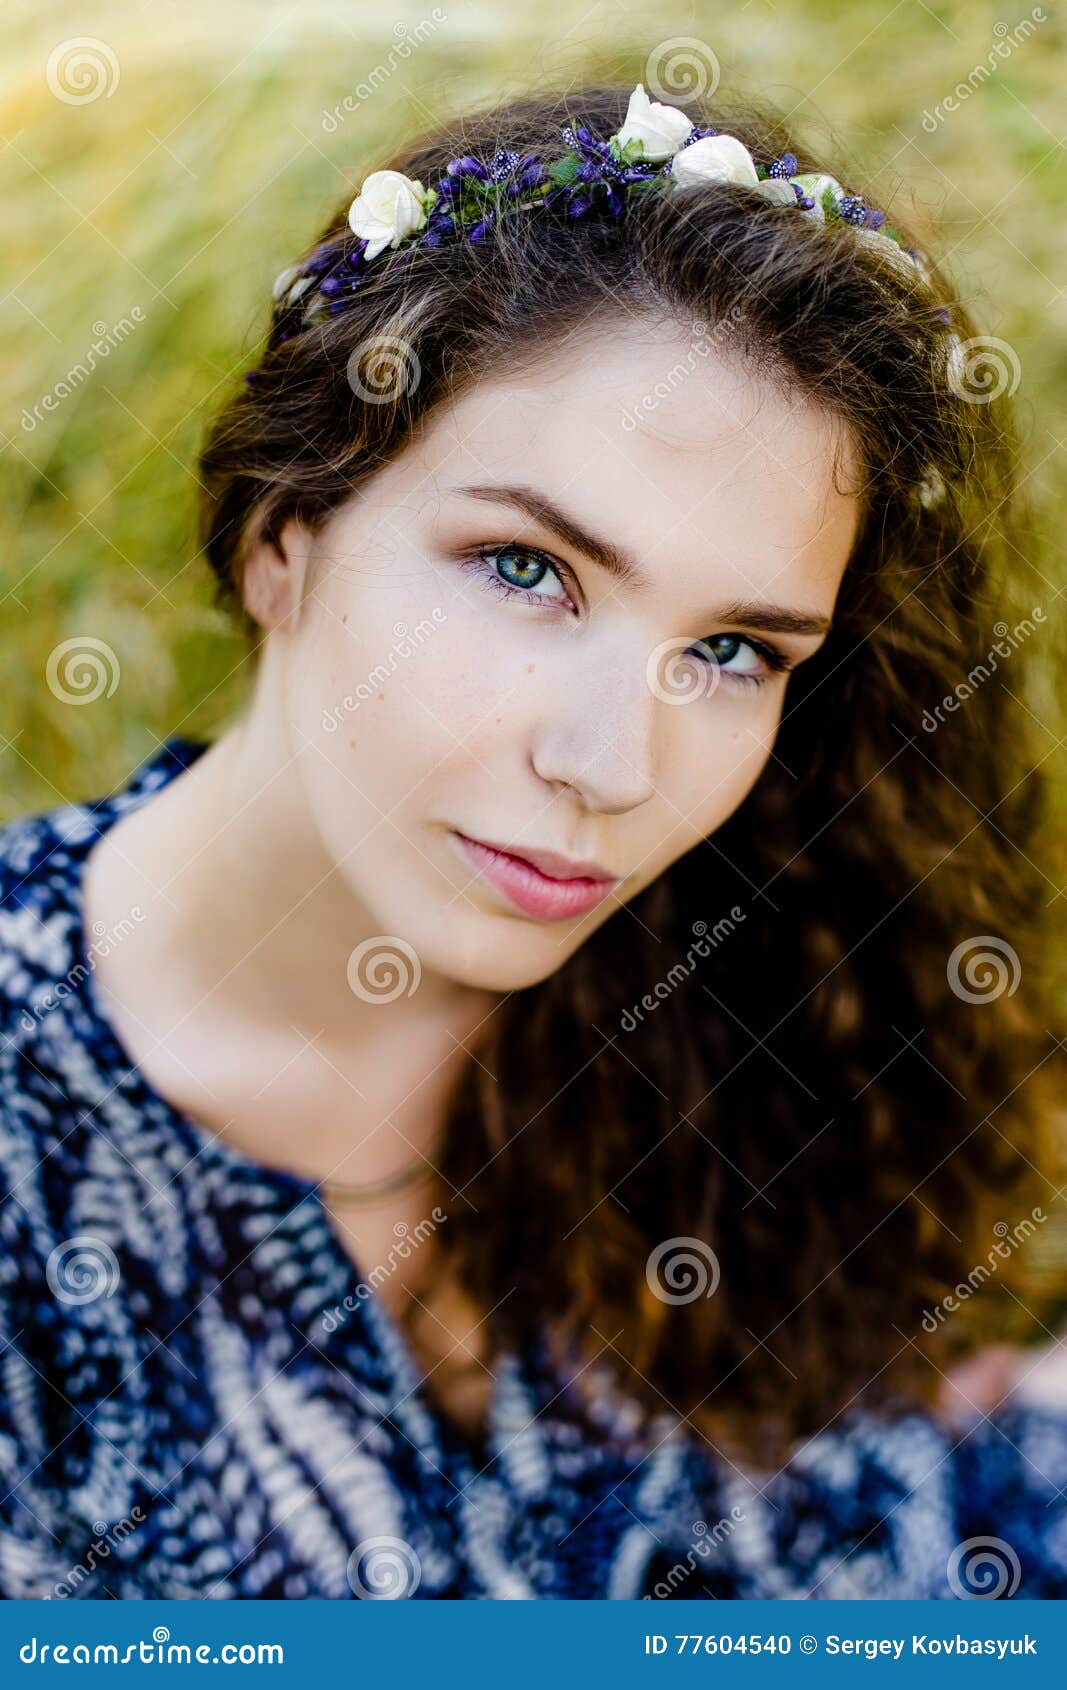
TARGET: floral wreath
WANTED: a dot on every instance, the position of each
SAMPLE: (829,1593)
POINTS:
(656,141)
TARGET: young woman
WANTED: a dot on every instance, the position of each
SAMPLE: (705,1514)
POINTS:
(522,1113)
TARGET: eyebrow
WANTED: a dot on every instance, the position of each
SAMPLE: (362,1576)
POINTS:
(621,564)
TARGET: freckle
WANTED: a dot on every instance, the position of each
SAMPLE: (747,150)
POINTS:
(352,743)
(344,619)
(530,667)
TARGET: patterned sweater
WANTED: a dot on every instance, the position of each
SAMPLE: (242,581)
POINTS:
(177,1418)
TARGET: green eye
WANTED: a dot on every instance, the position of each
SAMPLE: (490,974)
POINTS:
(516,572)
(723,649)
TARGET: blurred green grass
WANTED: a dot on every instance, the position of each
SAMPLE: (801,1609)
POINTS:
(186,189)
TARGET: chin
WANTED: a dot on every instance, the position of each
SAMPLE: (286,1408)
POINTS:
(507,960)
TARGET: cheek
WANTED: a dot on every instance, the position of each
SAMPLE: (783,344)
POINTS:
(402,693)
(714,765)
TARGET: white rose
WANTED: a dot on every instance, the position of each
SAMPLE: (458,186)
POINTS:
(715,158)
(910,268)
(660,129)
(388,206)
(777,188)
(814,186)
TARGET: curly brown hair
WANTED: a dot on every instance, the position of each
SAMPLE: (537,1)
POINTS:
(823,1115)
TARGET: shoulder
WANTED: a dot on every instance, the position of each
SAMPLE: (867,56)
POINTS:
(42,859)
(914,1507)
(890,1508)
(36,863)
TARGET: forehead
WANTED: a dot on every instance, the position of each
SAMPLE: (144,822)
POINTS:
(666,442)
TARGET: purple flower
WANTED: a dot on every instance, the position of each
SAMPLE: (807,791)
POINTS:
(468,166)
(480,229)
(502,163)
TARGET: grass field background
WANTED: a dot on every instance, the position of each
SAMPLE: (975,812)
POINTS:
(202,164)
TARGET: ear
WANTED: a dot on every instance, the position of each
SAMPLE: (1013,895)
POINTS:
(275,574)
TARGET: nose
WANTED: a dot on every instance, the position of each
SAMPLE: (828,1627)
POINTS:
(599,738)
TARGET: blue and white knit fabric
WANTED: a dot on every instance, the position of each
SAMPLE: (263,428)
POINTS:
(175,1419)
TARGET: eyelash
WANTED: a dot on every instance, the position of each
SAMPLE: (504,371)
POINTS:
(480,567)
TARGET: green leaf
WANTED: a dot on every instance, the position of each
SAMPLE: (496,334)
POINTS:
(563,171)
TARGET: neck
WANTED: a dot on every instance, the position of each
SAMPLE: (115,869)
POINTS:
(254,927)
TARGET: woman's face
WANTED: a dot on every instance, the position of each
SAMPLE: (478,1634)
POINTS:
(559,621)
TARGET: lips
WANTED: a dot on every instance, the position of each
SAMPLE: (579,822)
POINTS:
(525,883)
(550,863)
